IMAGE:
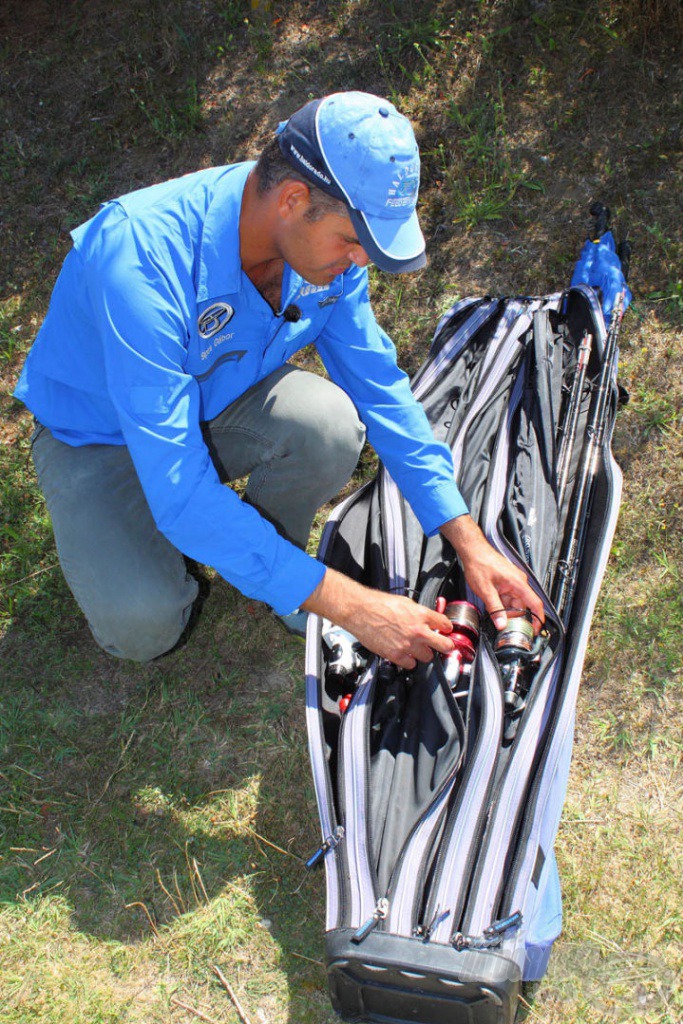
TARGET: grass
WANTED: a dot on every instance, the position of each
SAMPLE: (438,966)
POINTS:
(154,819)
(144,841)
(483,180)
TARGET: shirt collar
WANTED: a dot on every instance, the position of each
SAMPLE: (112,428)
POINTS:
(220,267)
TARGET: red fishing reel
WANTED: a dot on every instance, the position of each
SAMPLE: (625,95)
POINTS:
(465,620)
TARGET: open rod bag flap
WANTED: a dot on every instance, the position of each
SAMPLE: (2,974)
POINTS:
(440,789)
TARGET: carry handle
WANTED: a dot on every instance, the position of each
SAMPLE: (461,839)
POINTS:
(624,254)
(602,214)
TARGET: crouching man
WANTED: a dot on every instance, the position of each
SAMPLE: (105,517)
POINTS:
(161,374)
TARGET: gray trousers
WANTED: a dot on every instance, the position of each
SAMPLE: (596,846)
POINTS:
(297,438)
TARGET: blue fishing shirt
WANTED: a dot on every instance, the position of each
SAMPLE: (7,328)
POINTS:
(153,328)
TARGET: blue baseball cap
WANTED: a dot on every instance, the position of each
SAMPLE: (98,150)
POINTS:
(359,149)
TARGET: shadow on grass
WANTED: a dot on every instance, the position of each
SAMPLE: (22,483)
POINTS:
(144,794)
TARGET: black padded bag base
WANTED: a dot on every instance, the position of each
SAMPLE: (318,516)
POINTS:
(389,979)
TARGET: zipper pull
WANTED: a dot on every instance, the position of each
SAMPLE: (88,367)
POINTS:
(493,935)
(498,928)
(425,931)
(380,912)
(328,844)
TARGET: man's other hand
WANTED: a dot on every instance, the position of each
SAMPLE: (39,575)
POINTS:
(492,577)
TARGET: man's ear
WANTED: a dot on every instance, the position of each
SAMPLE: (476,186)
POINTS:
(294,198)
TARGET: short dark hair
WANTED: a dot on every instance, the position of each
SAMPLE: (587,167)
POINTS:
(272,169)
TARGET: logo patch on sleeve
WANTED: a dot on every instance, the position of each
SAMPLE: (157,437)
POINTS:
(214,318)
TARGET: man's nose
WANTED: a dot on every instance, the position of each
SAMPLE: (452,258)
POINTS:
(358,255)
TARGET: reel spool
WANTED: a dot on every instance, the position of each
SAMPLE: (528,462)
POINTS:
(466,621)
(515,640)
(515,648)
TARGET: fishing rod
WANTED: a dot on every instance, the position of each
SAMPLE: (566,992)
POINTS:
(566,572)
(565,581)
(567,431)
(516,647)
(571,420)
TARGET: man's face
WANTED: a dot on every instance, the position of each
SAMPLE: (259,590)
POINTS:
(320,250)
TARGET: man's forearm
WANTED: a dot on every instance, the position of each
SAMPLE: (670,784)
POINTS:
(500,584)
(390,625)
(463,535)
(337,598)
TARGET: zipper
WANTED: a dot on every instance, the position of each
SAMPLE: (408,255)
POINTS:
(446,324)
(353,771)
(467,819)
(338,866)
(491,937)
(506,340)
(409,868)
(562,724)
(354,788)
(500,835)
(379,914)
(335,877)
(427,378)
(450,352)
(393,534)
(412,866)
(504,815)
(332,525)
(408,876)
(503,821)
(473,811)
(503,344)
(412,861)
(527,844)
(330,843)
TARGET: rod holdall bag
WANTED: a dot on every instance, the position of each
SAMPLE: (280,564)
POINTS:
(440,789)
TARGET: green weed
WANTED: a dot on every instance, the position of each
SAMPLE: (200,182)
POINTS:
(654,410)
(672,296)
(11,330)
(27,557)
(422,30)
(407,48)
(479,172)
(670,252)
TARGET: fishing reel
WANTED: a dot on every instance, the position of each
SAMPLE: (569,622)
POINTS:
(346,657)
(465,620)
(518,652)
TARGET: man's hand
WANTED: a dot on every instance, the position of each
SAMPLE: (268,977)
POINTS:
(389,625)
(405,632)
(499,583)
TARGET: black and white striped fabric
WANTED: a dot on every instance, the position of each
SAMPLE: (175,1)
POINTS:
(437,827)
